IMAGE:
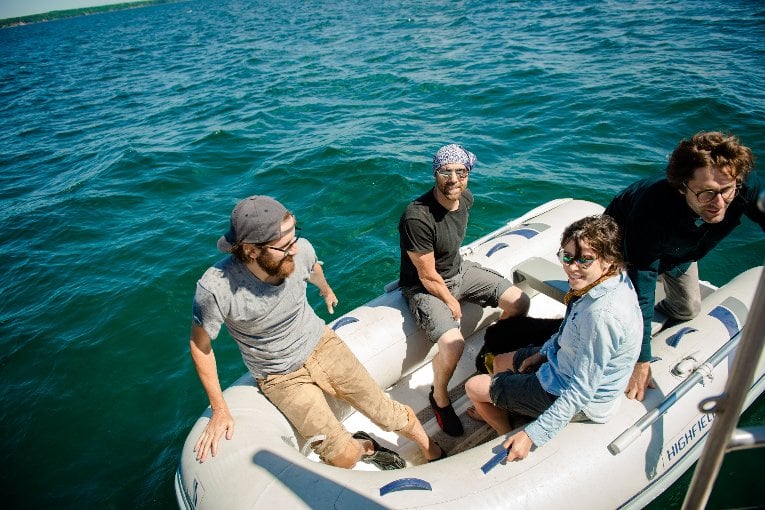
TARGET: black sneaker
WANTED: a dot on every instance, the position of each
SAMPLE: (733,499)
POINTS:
(446,417)
(383,458)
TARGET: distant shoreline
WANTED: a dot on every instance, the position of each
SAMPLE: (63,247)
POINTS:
(71,13)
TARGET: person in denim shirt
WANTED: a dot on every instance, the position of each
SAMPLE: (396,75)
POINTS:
(580,372)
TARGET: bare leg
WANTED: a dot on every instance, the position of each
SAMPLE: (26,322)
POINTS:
(503,363)
(477,389)
(416,433)
(450,347)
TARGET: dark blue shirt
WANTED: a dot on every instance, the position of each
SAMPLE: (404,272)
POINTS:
(661,234)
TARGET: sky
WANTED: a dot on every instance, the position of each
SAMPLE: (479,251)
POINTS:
(17,8)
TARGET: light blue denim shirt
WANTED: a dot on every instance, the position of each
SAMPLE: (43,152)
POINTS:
(590,359)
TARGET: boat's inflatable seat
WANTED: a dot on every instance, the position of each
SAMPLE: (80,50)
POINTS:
(538,274)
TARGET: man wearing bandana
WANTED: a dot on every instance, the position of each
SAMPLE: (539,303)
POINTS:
(434,277)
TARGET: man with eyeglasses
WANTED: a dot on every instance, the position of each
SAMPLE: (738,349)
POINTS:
(433,276)
(671,222)
(259,293)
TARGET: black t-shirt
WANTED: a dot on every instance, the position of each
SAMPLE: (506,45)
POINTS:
(426,226)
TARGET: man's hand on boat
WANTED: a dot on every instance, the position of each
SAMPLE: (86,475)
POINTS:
(221,422)
(640,380)
(330,300)
(518,446)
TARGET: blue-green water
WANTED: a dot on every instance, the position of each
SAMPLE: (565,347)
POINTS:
(127,137)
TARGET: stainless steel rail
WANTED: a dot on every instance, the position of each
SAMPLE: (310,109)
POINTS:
(627,437)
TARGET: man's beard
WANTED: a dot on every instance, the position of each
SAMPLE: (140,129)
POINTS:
(280,268)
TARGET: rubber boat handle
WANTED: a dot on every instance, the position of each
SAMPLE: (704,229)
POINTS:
(494,461)
(405,484)
(629,436)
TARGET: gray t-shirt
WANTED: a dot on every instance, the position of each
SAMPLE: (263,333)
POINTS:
(274,325)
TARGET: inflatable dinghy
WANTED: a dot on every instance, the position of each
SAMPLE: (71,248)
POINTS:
(624,463)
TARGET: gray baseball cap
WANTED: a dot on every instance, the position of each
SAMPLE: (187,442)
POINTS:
(254,220)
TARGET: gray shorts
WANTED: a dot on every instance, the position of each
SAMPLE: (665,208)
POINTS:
(474,283)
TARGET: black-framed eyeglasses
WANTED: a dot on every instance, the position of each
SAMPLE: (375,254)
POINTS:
(289,245)
(582,262)
(462,173)
(707,195)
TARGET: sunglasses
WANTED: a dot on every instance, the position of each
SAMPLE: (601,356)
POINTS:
(462,173)
(286,249)
(583,263)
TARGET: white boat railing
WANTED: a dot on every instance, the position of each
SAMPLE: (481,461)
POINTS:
(723,436)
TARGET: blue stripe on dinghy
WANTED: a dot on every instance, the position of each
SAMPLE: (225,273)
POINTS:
(344,322)
(495,249)
(675,339)
(523,232)
(405,484)
(728,319)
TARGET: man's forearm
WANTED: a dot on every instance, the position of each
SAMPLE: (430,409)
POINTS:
(207,370)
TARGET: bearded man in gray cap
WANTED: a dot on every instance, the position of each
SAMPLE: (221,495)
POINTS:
(258,292)
(433,277)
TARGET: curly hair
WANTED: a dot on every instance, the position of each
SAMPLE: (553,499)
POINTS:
(603,235)
(709,149)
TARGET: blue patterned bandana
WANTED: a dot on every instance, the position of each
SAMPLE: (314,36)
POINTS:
(453,153)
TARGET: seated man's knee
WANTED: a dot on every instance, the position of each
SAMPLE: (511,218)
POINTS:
(451,341)
(504,362)
(514,302)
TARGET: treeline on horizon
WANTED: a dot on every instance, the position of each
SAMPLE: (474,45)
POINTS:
(70,13)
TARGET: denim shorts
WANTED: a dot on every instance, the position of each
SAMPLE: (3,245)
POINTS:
(474,283)
(520,393)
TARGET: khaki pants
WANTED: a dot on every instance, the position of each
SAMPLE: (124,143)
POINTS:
(332,369)
(683,301)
